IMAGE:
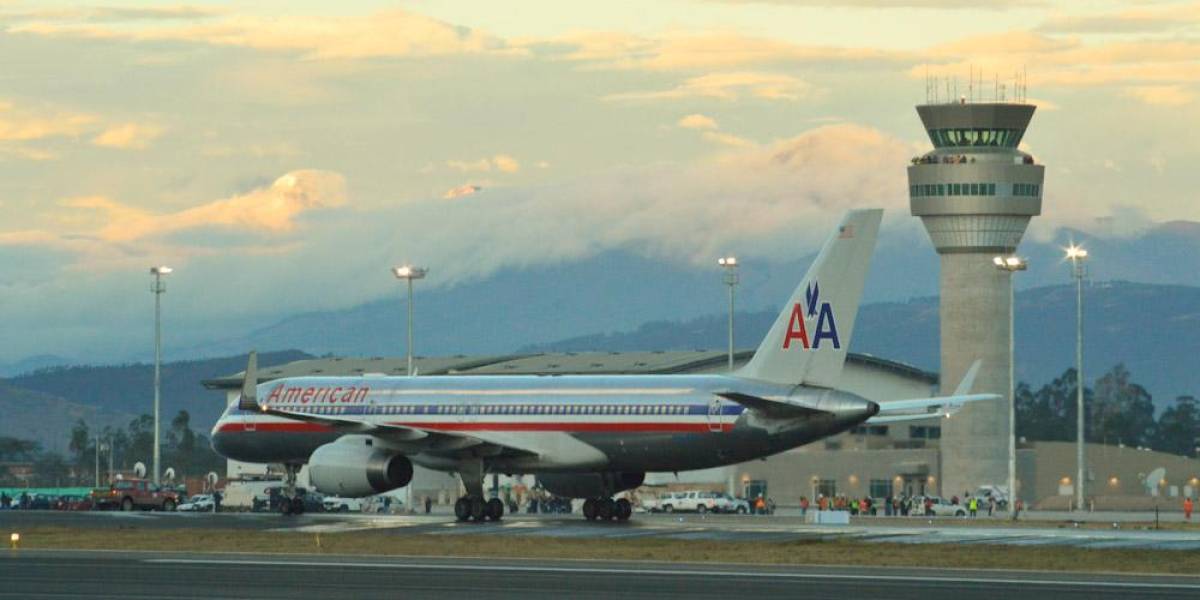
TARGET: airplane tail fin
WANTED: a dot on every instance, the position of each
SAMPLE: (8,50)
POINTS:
(810,337)
(249,397)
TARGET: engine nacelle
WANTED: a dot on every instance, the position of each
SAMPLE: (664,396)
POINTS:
(590,485)
(353,467)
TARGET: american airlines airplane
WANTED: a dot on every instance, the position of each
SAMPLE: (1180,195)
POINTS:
(583,436)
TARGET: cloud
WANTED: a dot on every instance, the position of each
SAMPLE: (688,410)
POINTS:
(727,139)
(1159,19)
(501,162)
(102,231)
(1162,95)
(112,14)
(25,124)
(697,121)
(128,136)
(703,51)
(728,86)
(877,4)
(389,33)
(505,163)
(461,191)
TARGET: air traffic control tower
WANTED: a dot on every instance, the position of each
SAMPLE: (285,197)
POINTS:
(975,193)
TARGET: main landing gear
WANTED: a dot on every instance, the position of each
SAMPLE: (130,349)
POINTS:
(607,509)
(473,506)
(290,503)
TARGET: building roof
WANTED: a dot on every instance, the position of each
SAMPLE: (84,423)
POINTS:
(577,363)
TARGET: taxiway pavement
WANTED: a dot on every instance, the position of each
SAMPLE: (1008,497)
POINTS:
(100,574)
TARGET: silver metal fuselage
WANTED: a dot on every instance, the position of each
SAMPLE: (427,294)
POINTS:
(531,424)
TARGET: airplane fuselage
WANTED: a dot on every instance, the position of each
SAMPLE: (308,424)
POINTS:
(582,423)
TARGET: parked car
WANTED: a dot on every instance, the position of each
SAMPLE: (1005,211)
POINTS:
(339,504)
(198,503)
(128,494)
(939,507)
(694,501)
(999,492)
(734,505)
(272,500)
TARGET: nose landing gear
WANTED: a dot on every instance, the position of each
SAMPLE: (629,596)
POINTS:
(607,509)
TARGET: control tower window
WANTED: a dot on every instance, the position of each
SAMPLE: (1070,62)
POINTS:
(961,136)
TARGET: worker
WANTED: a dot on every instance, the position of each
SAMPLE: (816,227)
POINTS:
(1187,508)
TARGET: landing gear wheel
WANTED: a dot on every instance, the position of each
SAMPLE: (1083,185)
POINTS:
(624,509)
(462,509)
(605,509)
(589,509)
(297,505)
(478,508)
(494,509)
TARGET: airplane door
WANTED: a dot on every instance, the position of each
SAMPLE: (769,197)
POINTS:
(714,415)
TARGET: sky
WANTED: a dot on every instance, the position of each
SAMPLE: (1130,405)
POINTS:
(281,155)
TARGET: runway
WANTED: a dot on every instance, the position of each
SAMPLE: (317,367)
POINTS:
(675,527)
(134,575)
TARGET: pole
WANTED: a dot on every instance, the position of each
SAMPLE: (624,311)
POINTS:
(110,459)
(158,290)
(1012,394)
(731,326)
(97,460)
(410,327)
(1079,383)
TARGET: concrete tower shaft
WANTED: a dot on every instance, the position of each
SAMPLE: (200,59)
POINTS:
(975,193)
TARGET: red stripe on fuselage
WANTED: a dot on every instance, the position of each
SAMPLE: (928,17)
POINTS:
(302,427)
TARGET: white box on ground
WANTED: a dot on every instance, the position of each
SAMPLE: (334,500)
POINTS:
(828,517)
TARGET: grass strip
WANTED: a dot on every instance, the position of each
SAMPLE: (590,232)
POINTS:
(793,552)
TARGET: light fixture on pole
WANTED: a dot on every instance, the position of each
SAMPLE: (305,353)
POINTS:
(1077,255)
(730,264)
(409,273)
(1011,264)
(159,287)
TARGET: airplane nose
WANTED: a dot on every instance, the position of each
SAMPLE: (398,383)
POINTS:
(872,408)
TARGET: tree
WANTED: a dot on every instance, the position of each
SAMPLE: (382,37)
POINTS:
(15,449)
(1048,415)
(1121,412)
(81,442)
(51,469)
(1178,429)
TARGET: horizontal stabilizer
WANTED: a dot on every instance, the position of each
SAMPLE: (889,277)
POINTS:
(927,408)
(772,408)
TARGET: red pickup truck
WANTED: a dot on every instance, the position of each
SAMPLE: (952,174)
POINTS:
(128,494)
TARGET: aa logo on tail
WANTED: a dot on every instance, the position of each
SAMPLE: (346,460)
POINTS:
(803,315)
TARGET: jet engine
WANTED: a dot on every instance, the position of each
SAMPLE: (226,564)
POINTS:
(353,467)
(590,485)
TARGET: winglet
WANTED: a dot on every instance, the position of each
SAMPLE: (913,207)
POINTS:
(968,380)
(249,398)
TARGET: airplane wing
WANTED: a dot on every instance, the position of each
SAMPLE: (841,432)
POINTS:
(926,408)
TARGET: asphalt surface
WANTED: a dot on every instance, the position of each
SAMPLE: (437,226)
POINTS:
(135,575)
(677,527)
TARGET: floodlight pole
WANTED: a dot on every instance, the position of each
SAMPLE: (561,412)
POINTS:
(1077,255)
(158,289)
(409,273)
(1012,264)
(730,264)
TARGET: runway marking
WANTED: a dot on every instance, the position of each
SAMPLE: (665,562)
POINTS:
(677,572)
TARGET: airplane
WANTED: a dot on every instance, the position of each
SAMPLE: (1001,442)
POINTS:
(585,436)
